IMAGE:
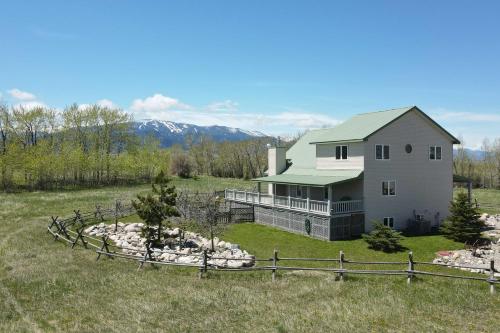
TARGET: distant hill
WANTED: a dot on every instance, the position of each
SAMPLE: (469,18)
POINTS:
(472,153)
(170,133)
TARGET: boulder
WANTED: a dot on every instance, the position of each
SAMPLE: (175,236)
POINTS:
(235,263)
(484,217)
(133,227)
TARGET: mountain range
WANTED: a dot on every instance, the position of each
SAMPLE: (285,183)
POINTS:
(170,133)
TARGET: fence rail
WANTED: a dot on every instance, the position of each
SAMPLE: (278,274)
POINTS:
(62,229)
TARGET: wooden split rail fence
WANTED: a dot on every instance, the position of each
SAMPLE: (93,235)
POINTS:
(62,229)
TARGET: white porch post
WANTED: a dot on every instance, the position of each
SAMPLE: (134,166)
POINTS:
(289,199)
(330,197)
(308,198)
(274,191)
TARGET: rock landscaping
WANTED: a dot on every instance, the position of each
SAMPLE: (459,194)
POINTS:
(188,250)
(479,258)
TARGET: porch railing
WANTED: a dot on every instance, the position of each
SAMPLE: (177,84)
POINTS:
(306,205)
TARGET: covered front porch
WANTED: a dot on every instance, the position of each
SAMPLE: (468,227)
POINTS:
(327,199)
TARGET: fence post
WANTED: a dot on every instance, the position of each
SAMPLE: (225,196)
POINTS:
(410,267)
(275,263)
(203,266)
(104,247)
(492,276)
(116,215)
(341,265)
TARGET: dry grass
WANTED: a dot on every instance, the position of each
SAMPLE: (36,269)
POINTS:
(46,286)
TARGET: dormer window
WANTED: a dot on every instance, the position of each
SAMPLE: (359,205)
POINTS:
(341,152)
(381,152)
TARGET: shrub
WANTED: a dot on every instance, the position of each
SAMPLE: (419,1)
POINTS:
(181,166)
(463,225)
(383,238)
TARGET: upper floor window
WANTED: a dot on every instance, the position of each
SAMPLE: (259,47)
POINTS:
(381,152)
(435,152)
(341,152)
(389,221)
(389,187)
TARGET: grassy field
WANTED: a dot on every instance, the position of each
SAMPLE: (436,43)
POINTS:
(46,286)
(488,199)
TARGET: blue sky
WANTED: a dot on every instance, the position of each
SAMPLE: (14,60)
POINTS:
(275,66)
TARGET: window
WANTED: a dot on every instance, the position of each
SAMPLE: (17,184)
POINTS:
(389,221)
(302,192)
(341,152)
(381,152)
(325,195)
(435,153)
(389,187)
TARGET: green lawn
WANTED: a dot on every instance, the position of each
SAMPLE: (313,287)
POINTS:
(46,286)
(488,199)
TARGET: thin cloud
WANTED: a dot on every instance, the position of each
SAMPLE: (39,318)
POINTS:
(21,95)
(106,103)
(53,35)
(224,106)
(443,114)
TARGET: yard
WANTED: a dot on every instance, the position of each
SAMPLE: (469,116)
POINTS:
(46,286)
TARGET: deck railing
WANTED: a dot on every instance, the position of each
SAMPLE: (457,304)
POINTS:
(347,206)
(306,205)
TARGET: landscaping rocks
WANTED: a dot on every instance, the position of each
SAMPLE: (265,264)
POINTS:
(478,260)
(128,237)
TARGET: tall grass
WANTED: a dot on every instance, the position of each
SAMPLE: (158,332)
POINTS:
(46,286)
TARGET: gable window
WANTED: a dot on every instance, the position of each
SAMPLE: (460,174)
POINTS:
(389,187)
(341,152)
(381,152)
(435,153)
(389,221)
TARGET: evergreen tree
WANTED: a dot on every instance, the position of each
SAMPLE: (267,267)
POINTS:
(155,208)
(383,238)
(463,225)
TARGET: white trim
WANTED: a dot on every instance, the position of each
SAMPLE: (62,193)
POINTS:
(435,153)
(382,159)
(388,223)
(389,188)
(347,153)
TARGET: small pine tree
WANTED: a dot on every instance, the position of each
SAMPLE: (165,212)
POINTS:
(463,224)
(156,207)
(383,238)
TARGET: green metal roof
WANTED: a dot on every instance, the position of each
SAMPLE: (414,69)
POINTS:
(311,177)
(361,126)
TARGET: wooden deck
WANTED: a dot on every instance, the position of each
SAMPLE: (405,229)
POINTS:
(325,207)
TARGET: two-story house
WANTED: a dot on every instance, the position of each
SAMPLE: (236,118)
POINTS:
(391,166)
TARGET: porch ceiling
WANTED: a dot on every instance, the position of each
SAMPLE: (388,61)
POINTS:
(312,177)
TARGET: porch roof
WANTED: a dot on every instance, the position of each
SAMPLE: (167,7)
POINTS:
(311,177)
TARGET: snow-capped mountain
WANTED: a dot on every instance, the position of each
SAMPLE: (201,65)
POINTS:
(170,133)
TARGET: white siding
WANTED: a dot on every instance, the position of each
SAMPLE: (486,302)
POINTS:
(325,156)
(421,184)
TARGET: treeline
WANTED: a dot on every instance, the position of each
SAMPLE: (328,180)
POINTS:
(484,171)
(42,148)
(242,159)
